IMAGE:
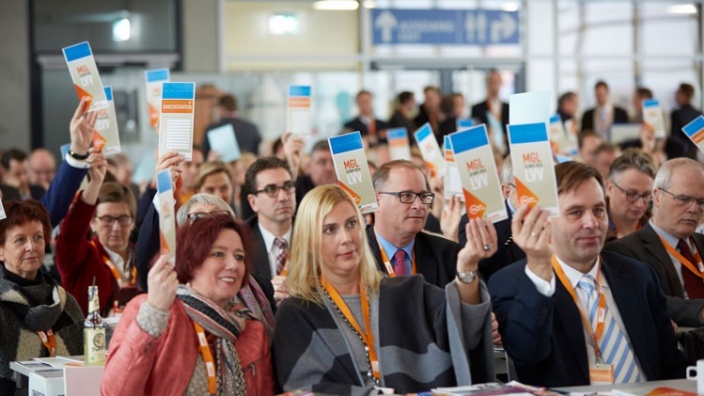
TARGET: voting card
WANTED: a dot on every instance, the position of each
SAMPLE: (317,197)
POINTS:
(531,107)
(429,149)
(533,166)
(452,182)
(106,134)
(695,132)
(176,122)
(352,170)
(85,76)
(556,131)
(167,215)
(223,141)
(464,123)
(155,78)
(298,110)
(653,116)
(399,145)
(480,179)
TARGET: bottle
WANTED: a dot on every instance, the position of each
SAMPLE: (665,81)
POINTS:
(94,331)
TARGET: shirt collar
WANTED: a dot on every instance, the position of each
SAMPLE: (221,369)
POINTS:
(575,276)
(117,260)
(669,238)
(390,249)
(269,237)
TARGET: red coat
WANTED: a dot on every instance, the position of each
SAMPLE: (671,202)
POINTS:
(139,364)
(78,261)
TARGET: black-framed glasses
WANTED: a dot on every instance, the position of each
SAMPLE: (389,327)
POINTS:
(426,198)
(685,200)
(634,196)
(272,190)
(108,221)
(204,215)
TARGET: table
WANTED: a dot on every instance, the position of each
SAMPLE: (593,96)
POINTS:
(641,388)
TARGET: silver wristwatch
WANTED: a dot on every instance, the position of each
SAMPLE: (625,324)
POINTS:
(467,277)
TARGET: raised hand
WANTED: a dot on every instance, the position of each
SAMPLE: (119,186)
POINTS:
(293,146)
(450,218)
(162,283)
(82,127)
(531,232)
(481,244)
(170,160)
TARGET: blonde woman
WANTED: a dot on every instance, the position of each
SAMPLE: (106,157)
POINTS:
(357,332)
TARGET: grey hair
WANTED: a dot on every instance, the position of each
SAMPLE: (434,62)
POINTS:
(507,171)
(203,199)
(662,178)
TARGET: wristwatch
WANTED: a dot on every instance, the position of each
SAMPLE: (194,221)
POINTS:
(467,277)
(78,156)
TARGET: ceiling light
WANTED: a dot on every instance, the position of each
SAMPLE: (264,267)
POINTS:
(510,7)
(283,24)
(682,9)
(336,5)
(369,4)
(121,29)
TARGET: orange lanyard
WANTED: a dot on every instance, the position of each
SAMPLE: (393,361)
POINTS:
(207,358)
(115,272)
(368,336)
(601,310)
(48,340)
(387,262)
(690,266)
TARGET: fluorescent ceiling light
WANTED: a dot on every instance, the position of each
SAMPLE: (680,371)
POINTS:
(369,4)
(337,5)
(283,24)
(510,6)
(121,29)
(682,9)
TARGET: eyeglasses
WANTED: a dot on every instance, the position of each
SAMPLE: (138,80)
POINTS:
(685,200)
(205,215)
(272,190)
(634,196)
(108,221)
(426,198)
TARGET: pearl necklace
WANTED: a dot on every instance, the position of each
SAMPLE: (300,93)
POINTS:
(377,382)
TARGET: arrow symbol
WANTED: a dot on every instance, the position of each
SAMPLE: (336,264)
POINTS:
(386,22)
(481,27)
(469,26)
(503,29)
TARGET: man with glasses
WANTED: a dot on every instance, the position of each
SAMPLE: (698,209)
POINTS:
(629,193)
(396,238)
(507,252)
(273,199)
(668,242)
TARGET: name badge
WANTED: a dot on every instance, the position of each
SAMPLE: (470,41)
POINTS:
(601,374)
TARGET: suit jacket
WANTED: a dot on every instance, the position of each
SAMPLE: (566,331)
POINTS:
(397,120)
(246,133)
(620,117)
(262,267)
(645,245)
(679,144)
(436,257)
(507,252)
(479,111)
(356,124)
(545,338)
(62,190)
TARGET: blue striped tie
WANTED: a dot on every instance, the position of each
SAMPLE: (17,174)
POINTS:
(613,345)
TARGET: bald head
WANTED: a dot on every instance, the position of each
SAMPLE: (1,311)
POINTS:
(42,167)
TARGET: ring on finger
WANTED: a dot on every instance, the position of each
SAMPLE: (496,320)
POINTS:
(486,247)
(533,234)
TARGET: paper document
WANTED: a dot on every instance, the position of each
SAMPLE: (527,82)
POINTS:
(399,145)
(298,110)
(223,141)
(106,135)
(155,78)
(429,149)
(176,123)
(695,132)
(352,170)
(167,215)
(452,182)
(85,76)
(653,116)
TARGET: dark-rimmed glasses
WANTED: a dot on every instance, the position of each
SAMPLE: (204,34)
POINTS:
(108,221)
(272,190)
(426,198)
(634,196)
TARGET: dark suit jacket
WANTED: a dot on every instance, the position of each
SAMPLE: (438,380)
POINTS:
(397,120)
(356,124)
(645,245)
(436,257)
(545,338)
(679,144)
(620,117)
(507,252)
(9,193)
(62,190)
(479,112)
(246,133)
(258,249)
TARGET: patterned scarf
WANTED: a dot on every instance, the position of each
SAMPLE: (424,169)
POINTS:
(254,298)
(223,325)
(37,306)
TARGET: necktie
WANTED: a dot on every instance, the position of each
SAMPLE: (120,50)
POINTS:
(282,247)
(613,344)
(400,262)
(692,283)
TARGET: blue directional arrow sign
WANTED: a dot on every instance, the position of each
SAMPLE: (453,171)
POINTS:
(445,27)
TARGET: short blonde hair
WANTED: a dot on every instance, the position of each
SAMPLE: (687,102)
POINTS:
(208,169)
(304,267)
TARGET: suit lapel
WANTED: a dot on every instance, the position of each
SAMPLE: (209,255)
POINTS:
(427,262)
(570,319)
(376,249)
(653,246)
(262,256)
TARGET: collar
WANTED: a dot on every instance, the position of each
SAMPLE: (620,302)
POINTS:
(510,206)
(269,237)
(575,276)
(669,238)
(117,259)
(391,249)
